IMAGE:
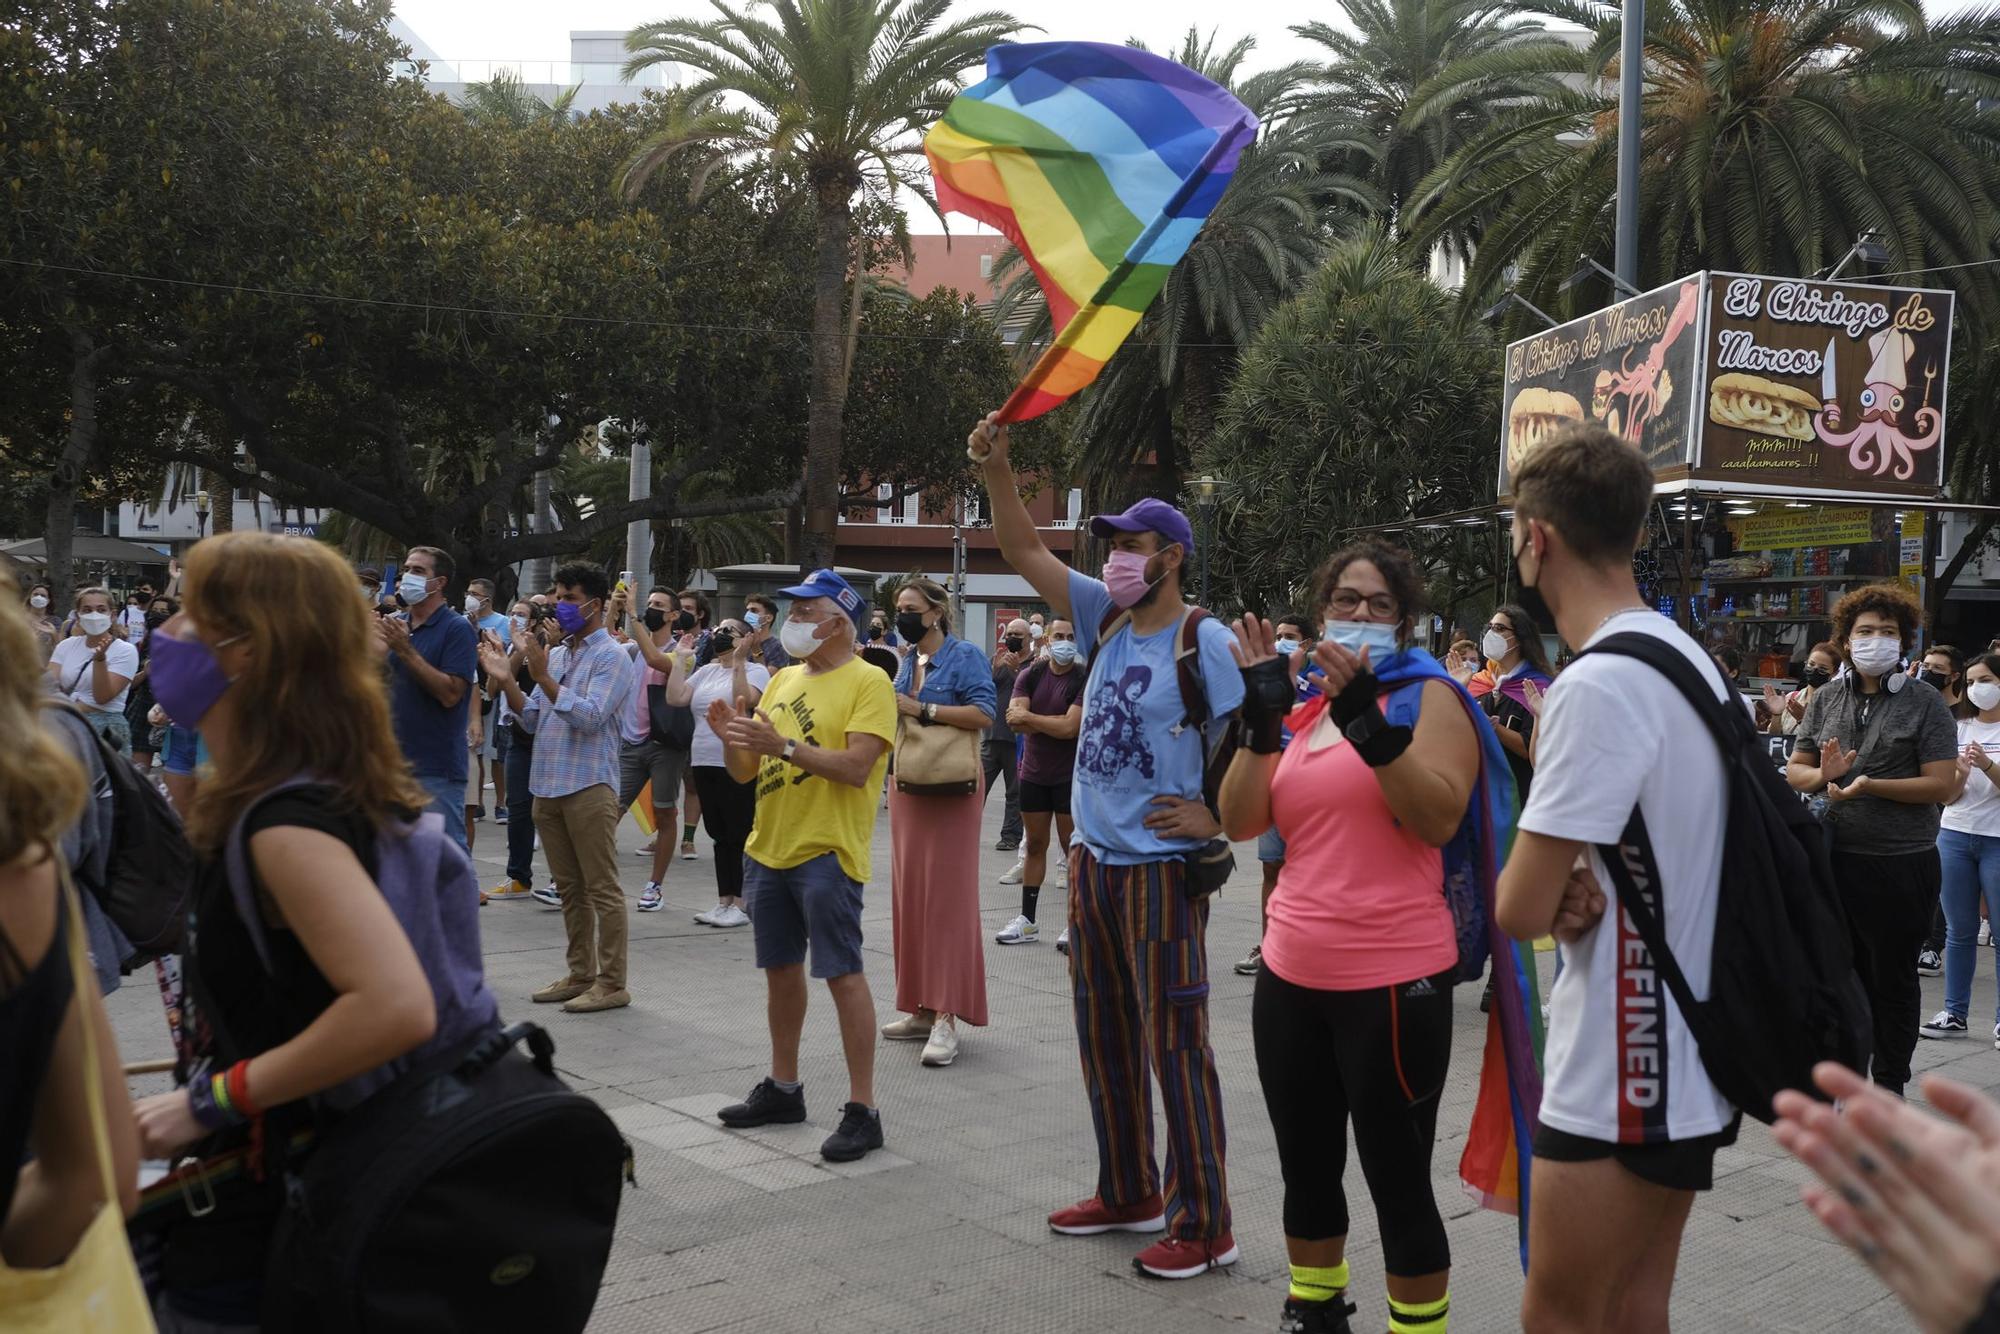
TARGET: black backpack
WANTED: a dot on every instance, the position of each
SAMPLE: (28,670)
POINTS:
(1782,992)
(475,1196)
(148,883)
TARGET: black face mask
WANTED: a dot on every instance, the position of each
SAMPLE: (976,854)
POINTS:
(155,619)
(654,619)
(1530,598)
(1936,680)
(721,642)
(1015,643)
(1816,677)
(910,625)
(684,622)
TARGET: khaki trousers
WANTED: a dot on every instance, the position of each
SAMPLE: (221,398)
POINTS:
(580,839)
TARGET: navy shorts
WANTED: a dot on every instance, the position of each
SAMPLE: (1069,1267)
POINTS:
(811,902)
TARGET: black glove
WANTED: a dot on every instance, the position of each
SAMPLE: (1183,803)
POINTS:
(1356,698)
(1267,699)
(1375,741)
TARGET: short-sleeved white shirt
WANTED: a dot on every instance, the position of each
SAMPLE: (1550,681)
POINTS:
(75,671)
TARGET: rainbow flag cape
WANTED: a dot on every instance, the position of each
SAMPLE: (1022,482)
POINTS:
(642,810)
(1100,163)
(1494,1166)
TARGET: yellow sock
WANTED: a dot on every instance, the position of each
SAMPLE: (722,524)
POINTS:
(1420,1318)
(1318,1285)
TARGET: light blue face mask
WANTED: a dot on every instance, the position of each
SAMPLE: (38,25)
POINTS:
(753,620)
(1377,638)
(1286,647)
(1063,651)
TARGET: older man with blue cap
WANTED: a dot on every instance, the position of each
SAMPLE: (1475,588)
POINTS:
(1144,859)
(817,746)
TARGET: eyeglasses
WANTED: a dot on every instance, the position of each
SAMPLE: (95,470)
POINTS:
(1345,600)
(1499,629)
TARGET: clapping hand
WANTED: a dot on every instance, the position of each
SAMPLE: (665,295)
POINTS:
(392,633)
(494,659)
(535,655)
(1256,641)
(753,732)
(1975,755)
(1916,1197)
(720,715)
(1835,762)
(1532,696)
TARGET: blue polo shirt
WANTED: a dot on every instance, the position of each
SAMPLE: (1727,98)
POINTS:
(432,736)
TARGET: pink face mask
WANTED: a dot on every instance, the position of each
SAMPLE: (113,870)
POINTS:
(1125,577)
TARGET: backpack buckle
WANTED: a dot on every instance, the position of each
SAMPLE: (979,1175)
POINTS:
(202,1203)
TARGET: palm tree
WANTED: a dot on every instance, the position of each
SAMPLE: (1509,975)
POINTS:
(835,94)
(1774,134)
(505,100)
(1376,95)
(1155,403)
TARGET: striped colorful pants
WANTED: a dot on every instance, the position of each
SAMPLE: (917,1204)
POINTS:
(1138,967)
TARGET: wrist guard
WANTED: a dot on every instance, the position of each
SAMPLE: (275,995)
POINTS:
(1267,699)
(1374,740)
(1355,699)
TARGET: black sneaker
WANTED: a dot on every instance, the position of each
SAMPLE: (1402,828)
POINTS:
(1946,1025)
(1328,1317)
(860,1133)
(767,1105)
(1930,963)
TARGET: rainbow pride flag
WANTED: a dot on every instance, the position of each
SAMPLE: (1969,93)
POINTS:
(1100,163)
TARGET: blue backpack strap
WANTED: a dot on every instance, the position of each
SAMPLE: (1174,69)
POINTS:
(236,866)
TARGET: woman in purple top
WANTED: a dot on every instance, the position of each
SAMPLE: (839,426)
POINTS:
(1046,711)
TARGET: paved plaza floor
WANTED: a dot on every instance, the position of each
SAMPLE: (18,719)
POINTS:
(945,1231)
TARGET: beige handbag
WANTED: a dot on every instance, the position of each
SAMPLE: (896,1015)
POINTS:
(935,759)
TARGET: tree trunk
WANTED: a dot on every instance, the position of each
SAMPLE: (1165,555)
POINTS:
(535,574)
(58,538)
(829,384)
(1940,587)
(221,503)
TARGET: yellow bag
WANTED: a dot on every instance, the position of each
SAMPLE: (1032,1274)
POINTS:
(97,1289)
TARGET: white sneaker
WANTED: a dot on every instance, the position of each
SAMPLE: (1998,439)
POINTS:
(687,851)
(1062,873)
(1014,873)
(1062,947)
(1020,931)
(547,895)
(1985,932)
(731,916)
(942,1049)
(708,918)
(650,899)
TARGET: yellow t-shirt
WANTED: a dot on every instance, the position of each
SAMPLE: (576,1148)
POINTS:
(801,816)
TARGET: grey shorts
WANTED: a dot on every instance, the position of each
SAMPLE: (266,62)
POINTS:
(812,902)
(663,765)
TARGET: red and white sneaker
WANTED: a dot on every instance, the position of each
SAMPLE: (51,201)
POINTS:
(1185,1257)
(1088,1218)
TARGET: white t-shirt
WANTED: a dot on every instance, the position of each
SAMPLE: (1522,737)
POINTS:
(134,621)
(1977,811)
(1615,731)
(710,684)
(75,671)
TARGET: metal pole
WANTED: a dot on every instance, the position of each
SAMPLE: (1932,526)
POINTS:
(1207,539)
(535,575)
(958,564)
(639,532)
(1631,85)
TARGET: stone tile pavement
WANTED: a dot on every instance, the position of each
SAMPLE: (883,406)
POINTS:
(751,1231)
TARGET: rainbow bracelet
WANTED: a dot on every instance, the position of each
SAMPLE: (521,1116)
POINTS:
(209,1101)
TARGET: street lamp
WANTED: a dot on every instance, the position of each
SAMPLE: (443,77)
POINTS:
(1207,491)
(200,515)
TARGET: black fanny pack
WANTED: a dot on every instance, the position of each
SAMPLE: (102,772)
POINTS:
(1208,867)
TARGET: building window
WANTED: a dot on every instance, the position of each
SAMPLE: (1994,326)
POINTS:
(894,511)
(1072,507)
(975,510)
(986,266)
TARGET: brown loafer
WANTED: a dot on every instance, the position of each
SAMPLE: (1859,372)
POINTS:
(567,989)
(595,999)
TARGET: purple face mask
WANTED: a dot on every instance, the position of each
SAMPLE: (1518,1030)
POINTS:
(570,617)
(186,678)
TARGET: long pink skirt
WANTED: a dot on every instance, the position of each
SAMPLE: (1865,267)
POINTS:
(939,943)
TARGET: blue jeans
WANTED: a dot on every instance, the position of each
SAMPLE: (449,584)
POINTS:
(520,809)
(1971,866)
(448,800)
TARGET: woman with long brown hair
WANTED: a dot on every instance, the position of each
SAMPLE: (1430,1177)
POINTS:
(270,658)
(944,683)
(46,1087)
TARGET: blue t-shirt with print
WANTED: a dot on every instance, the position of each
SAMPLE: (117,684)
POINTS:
(1127,751)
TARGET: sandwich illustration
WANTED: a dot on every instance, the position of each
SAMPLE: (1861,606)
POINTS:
(1753,403)
(1534,416)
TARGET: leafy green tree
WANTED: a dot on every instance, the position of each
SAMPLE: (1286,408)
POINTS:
(1155,402)
(1774,133)
(1360,402)
(835,95)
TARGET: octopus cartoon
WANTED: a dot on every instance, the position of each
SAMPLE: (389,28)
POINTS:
(1646,387)
(1879,440)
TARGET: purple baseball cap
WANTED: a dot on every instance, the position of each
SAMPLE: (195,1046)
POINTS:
(827,584)
(1148,516)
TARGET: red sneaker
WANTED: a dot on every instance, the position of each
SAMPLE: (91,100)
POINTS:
(1185,1257)
(1087,1218)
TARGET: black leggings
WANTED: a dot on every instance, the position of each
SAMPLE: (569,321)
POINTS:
(727,810)
(1379,1057)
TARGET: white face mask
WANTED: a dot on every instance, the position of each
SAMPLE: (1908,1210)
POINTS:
(1875,656)
(1983,694)
(39,601)
(1493,644)
(800,638)
(94,622)
(473,606)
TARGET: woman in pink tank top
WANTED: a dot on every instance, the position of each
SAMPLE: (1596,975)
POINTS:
(1352,1012)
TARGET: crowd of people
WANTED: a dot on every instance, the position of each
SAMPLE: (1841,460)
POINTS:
(1135,739)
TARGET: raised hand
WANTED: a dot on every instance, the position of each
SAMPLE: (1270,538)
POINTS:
(988,444)
(1256,641)
(1531,695)
(1834,762)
